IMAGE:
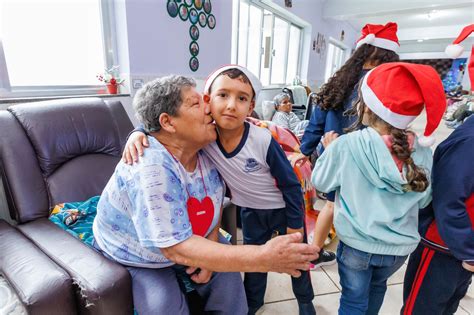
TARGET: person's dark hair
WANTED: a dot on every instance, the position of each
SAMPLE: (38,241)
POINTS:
(234,74)
(416,177)
(341,84)
(162,95)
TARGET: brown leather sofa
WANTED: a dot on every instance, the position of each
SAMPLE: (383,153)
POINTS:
(52,152)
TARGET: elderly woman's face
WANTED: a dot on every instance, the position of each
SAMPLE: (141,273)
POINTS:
(193,121)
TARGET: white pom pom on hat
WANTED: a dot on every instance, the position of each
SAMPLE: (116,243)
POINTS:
(455,50)
(426,141)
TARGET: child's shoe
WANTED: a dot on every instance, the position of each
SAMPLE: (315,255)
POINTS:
(325,258)
(306,308)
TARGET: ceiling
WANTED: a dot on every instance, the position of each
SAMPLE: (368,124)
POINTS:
(423,25)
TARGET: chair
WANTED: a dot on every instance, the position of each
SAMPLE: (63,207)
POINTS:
(53,152)
(310,105)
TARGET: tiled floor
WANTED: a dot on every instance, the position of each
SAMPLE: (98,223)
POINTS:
(279,298)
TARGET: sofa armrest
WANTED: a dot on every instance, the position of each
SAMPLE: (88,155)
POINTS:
(41,285)
(104,286)
(229,220)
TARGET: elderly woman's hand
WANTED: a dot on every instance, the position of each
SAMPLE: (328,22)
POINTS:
(203,276)
(134,147)
(286,254)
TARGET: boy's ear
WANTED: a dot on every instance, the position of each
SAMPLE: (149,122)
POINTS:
(166,122)
(206,98)
(252,106)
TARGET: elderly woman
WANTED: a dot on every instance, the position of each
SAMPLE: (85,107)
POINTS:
(166,210)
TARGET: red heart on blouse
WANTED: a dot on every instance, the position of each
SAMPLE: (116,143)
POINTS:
(201,214)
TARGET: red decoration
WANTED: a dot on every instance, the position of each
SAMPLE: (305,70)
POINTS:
(201,214)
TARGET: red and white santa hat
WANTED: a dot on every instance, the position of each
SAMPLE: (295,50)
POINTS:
(254,81)
(397,92)
(383,36)
(455,50)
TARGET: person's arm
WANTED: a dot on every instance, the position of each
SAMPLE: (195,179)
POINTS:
(285,254)
(453,184)
(314,131)
(287,183)
(326,172)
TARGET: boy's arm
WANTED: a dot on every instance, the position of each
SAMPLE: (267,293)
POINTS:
(286,181)
(453,185)
(314,131)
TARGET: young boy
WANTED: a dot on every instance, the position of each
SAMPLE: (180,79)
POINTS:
(258,174)
(284,117)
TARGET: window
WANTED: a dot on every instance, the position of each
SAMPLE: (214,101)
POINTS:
(54,47)
(337,55)
(268,42)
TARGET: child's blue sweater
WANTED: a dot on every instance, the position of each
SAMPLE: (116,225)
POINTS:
(373,212)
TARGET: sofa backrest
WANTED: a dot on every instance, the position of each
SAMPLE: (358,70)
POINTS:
(58,151)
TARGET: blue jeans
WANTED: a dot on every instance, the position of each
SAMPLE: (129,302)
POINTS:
(363,278)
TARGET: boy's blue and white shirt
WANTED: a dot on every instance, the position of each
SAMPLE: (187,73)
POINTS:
(143,207)
(259,174)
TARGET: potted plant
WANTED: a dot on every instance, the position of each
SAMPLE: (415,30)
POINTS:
(111,78)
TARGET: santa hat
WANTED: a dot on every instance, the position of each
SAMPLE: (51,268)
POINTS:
(397,92)
(455,50)
(254,81)
(383,36)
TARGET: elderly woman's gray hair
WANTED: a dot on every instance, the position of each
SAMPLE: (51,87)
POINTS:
(162,95)
(280,97)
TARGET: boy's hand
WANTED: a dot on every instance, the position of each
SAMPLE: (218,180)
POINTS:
(203,276)
(291,231)
(329,137)
(467,266)
(298,159)
(134,147)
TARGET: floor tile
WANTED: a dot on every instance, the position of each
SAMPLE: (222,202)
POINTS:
(279,286)
(322,284)
(332,273)
(398,276)
(393,300)
(467,303)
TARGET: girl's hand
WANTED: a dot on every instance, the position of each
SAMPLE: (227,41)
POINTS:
(298,159)
(134,147)
(329,137)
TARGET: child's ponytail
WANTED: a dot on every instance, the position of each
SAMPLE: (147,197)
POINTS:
(415,176)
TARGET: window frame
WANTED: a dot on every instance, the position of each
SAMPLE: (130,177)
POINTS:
(345,51)
(288,17)
(110,55)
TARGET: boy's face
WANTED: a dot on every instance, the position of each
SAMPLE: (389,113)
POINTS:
(230,101)
(285,106)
